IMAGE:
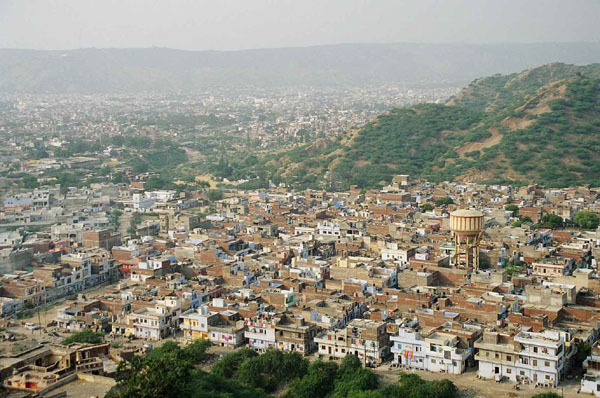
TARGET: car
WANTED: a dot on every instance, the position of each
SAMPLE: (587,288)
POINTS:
(32,326)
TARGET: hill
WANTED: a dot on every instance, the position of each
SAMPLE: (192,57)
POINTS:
(541,125)
(168,70)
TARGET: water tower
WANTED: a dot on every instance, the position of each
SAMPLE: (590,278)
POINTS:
(467,227)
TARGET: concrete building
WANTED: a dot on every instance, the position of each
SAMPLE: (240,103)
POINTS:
(538,357)
(590,382)
(364,338)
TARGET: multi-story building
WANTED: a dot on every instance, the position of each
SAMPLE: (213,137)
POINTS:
(444,354)
(367,339)
(408,347)
(295,335)
(158,321)
(590,382)
(103,238)
(394,252)
(194,323)
(260,334)
(538,357)
(29,291)
(227,330)
(439,351)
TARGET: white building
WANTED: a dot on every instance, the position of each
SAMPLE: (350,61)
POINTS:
(590,382)
(408,348)
(155,323)
(260,334)
(539,357)
(228,330)
(393,252)
(328,228)
(438,351)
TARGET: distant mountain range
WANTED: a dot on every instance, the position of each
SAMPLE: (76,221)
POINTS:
(168,70)
(538,126)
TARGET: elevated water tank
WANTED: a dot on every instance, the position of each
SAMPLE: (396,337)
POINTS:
(466,222)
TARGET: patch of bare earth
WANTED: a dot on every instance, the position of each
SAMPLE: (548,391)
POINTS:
(513,123)
(493,140)
(206,178)
(193,155)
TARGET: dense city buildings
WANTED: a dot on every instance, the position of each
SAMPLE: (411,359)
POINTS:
(397,278)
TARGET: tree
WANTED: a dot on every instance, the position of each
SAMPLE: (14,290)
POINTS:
(552,221)
(318,382)
(271,369)
(412,386)
(426,207)
(512,207)
(444,201)
(586,219)
(547,394)
(214,195)
(139,166)
(29,181)
(169,372)
(87,336)
(115,217)
(120,178)
(583,351)
(230,363)
(352,377)
(135,221)
(196,351)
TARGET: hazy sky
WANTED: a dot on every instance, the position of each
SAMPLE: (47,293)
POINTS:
(236,24)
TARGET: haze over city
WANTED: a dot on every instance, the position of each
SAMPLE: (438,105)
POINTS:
(299,199)
(242,24)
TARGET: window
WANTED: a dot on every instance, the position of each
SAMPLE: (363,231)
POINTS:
(509,358)
(535,362)
(547,363)
(508,371)
(522,373)
(547,377)
(433,361)
(497,355)
(535,349)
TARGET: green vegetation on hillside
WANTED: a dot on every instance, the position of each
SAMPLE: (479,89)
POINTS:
(541,125)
